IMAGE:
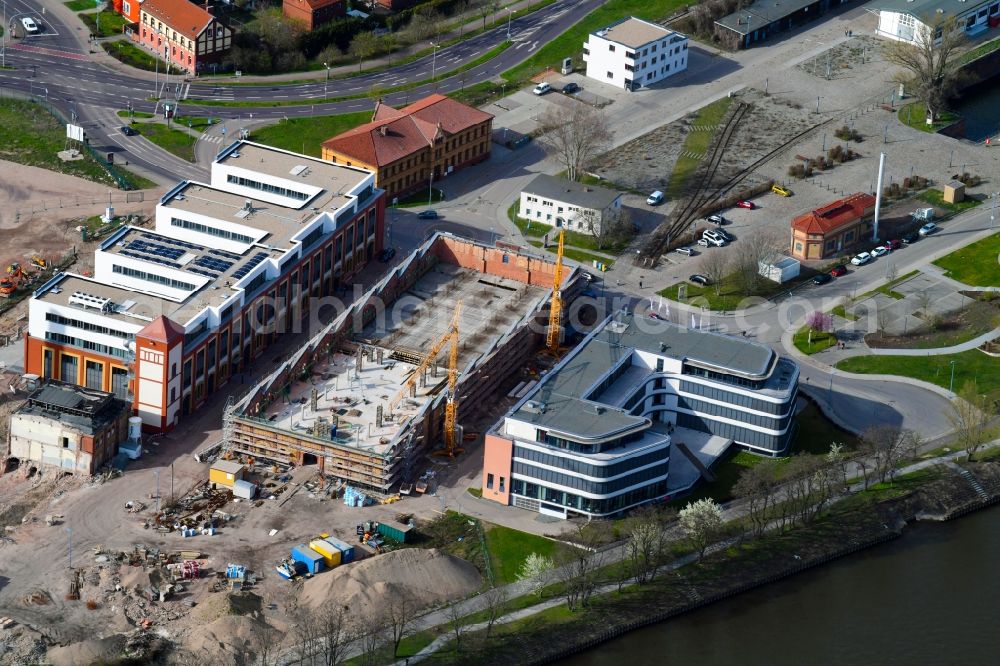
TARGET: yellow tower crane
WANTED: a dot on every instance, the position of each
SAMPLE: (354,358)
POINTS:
(451,448)
(555,307)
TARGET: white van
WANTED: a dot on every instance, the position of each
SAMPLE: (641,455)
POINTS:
(30,26)
(655,199)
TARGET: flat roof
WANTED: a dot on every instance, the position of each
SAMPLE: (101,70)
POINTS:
(578,194)
(337,178)
(762,13)
(571,401)
(228,466)
(634,32)
(143,310)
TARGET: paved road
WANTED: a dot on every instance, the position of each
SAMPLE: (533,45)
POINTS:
(56,66)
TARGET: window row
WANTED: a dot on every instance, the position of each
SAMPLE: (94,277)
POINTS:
(739,434)
(561,499)
(86,344)
(712,409)
(267,187)
(85,326)
(593,487)
(581,467)
(737,399)
(152,277)
(212,231)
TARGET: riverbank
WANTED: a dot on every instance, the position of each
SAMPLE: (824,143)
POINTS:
(856,523)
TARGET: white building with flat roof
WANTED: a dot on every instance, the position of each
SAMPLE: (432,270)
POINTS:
(565,204)
(633,53)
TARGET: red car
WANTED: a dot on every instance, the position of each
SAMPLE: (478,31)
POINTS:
(894,244)
(745,204)
(838,271)
(653,315)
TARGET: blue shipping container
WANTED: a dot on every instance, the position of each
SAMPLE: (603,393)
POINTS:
(346,549)
(309,557)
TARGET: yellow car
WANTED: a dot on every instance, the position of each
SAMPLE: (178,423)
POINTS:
(781,191)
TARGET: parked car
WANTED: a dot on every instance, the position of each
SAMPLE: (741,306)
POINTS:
(655,199)
(861,259)
(714,237)
(387,254)
(428,215)
(822,278)
(703,242)
(587,276)
(839,271)
(127,130)
(726,236)
(880,251)
(570,88)
(698,278)
(911,237)
(928,229)
(542,88)
(781,191)
(717,219)
(894,244)
(749,205)
(653,315)
(686,251)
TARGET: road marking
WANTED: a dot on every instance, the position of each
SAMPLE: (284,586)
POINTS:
(187,90)
(46,51)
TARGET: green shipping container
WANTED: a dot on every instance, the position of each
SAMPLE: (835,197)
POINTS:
(395,531)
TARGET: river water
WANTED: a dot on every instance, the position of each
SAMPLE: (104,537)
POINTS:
(980,106)
(930,597)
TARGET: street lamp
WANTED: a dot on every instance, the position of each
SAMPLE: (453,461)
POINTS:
(69,531)
(510,13)
(993,209)
(434,61)
(430,188)
(3,47)
(951,384)
(156,71)
(325,85)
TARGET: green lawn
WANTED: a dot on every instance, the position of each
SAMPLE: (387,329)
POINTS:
(969,366)
(976,264)
(731,293)
(585,258)
(196,123)
(696,143)
(172,140)
(104,23)
(132,55)
(980,51)
(570,43)
(820,340)
(814,432)
(81,5)
(934,197)
(914,115)
(841,312)
(30,135)
(418,198)
(887,288)
(135,114)
(509,548)
(306,135)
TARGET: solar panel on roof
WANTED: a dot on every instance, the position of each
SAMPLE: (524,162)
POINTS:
(172,241)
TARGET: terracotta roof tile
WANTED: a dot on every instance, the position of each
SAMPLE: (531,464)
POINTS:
(184,17)
(162,329)
(835,215)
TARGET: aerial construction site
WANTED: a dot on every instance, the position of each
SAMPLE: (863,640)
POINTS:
(394,375)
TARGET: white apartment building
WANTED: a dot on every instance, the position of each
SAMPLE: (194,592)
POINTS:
(908,20)
(633,53)
(561,203)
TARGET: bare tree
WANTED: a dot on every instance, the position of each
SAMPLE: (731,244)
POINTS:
(576,138)
(368,635)
(488,8)
(456,622)
(364,45)
(701,522)
(714,266)
(758,486)
(398,617)
(580,566)
(970,417)
(930,60)
(923,298)
(645,548)
(333,635)
(496,603)
(607,227)
(886,446)
(750,253)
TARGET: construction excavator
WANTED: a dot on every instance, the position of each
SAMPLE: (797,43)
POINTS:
(16,277)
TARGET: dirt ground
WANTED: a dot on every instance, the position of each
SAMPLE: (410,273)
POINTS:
(646,163)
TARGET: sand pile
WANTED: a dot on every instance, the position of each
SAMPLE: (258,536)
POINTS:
(84,653)
(221,605)
(425,577)
(224,639)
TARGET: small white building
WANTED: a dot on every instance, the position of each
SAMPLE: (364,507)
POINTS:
(633,53)
(779,268)
(561,203)
(909,20)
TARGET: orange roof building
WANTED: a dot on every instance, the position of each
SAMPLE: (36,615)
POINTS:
(408,148)
(827,231)
(313,13)
(182,33)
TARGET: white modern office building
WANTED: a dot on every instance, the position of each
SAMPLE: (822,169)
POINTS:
(560,203)
(910,20)
(633,53)
(594,437)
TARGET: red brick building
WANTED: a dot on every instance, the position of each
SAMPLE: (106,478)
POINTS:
(829,230)
(313,13)
(182,33)
(405,147)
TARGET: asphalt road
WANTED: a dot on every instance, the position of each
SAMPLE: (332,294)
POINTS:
(53,66)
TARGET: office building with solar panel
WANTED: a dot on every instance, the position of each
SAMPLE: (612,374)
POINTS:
(172,312)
